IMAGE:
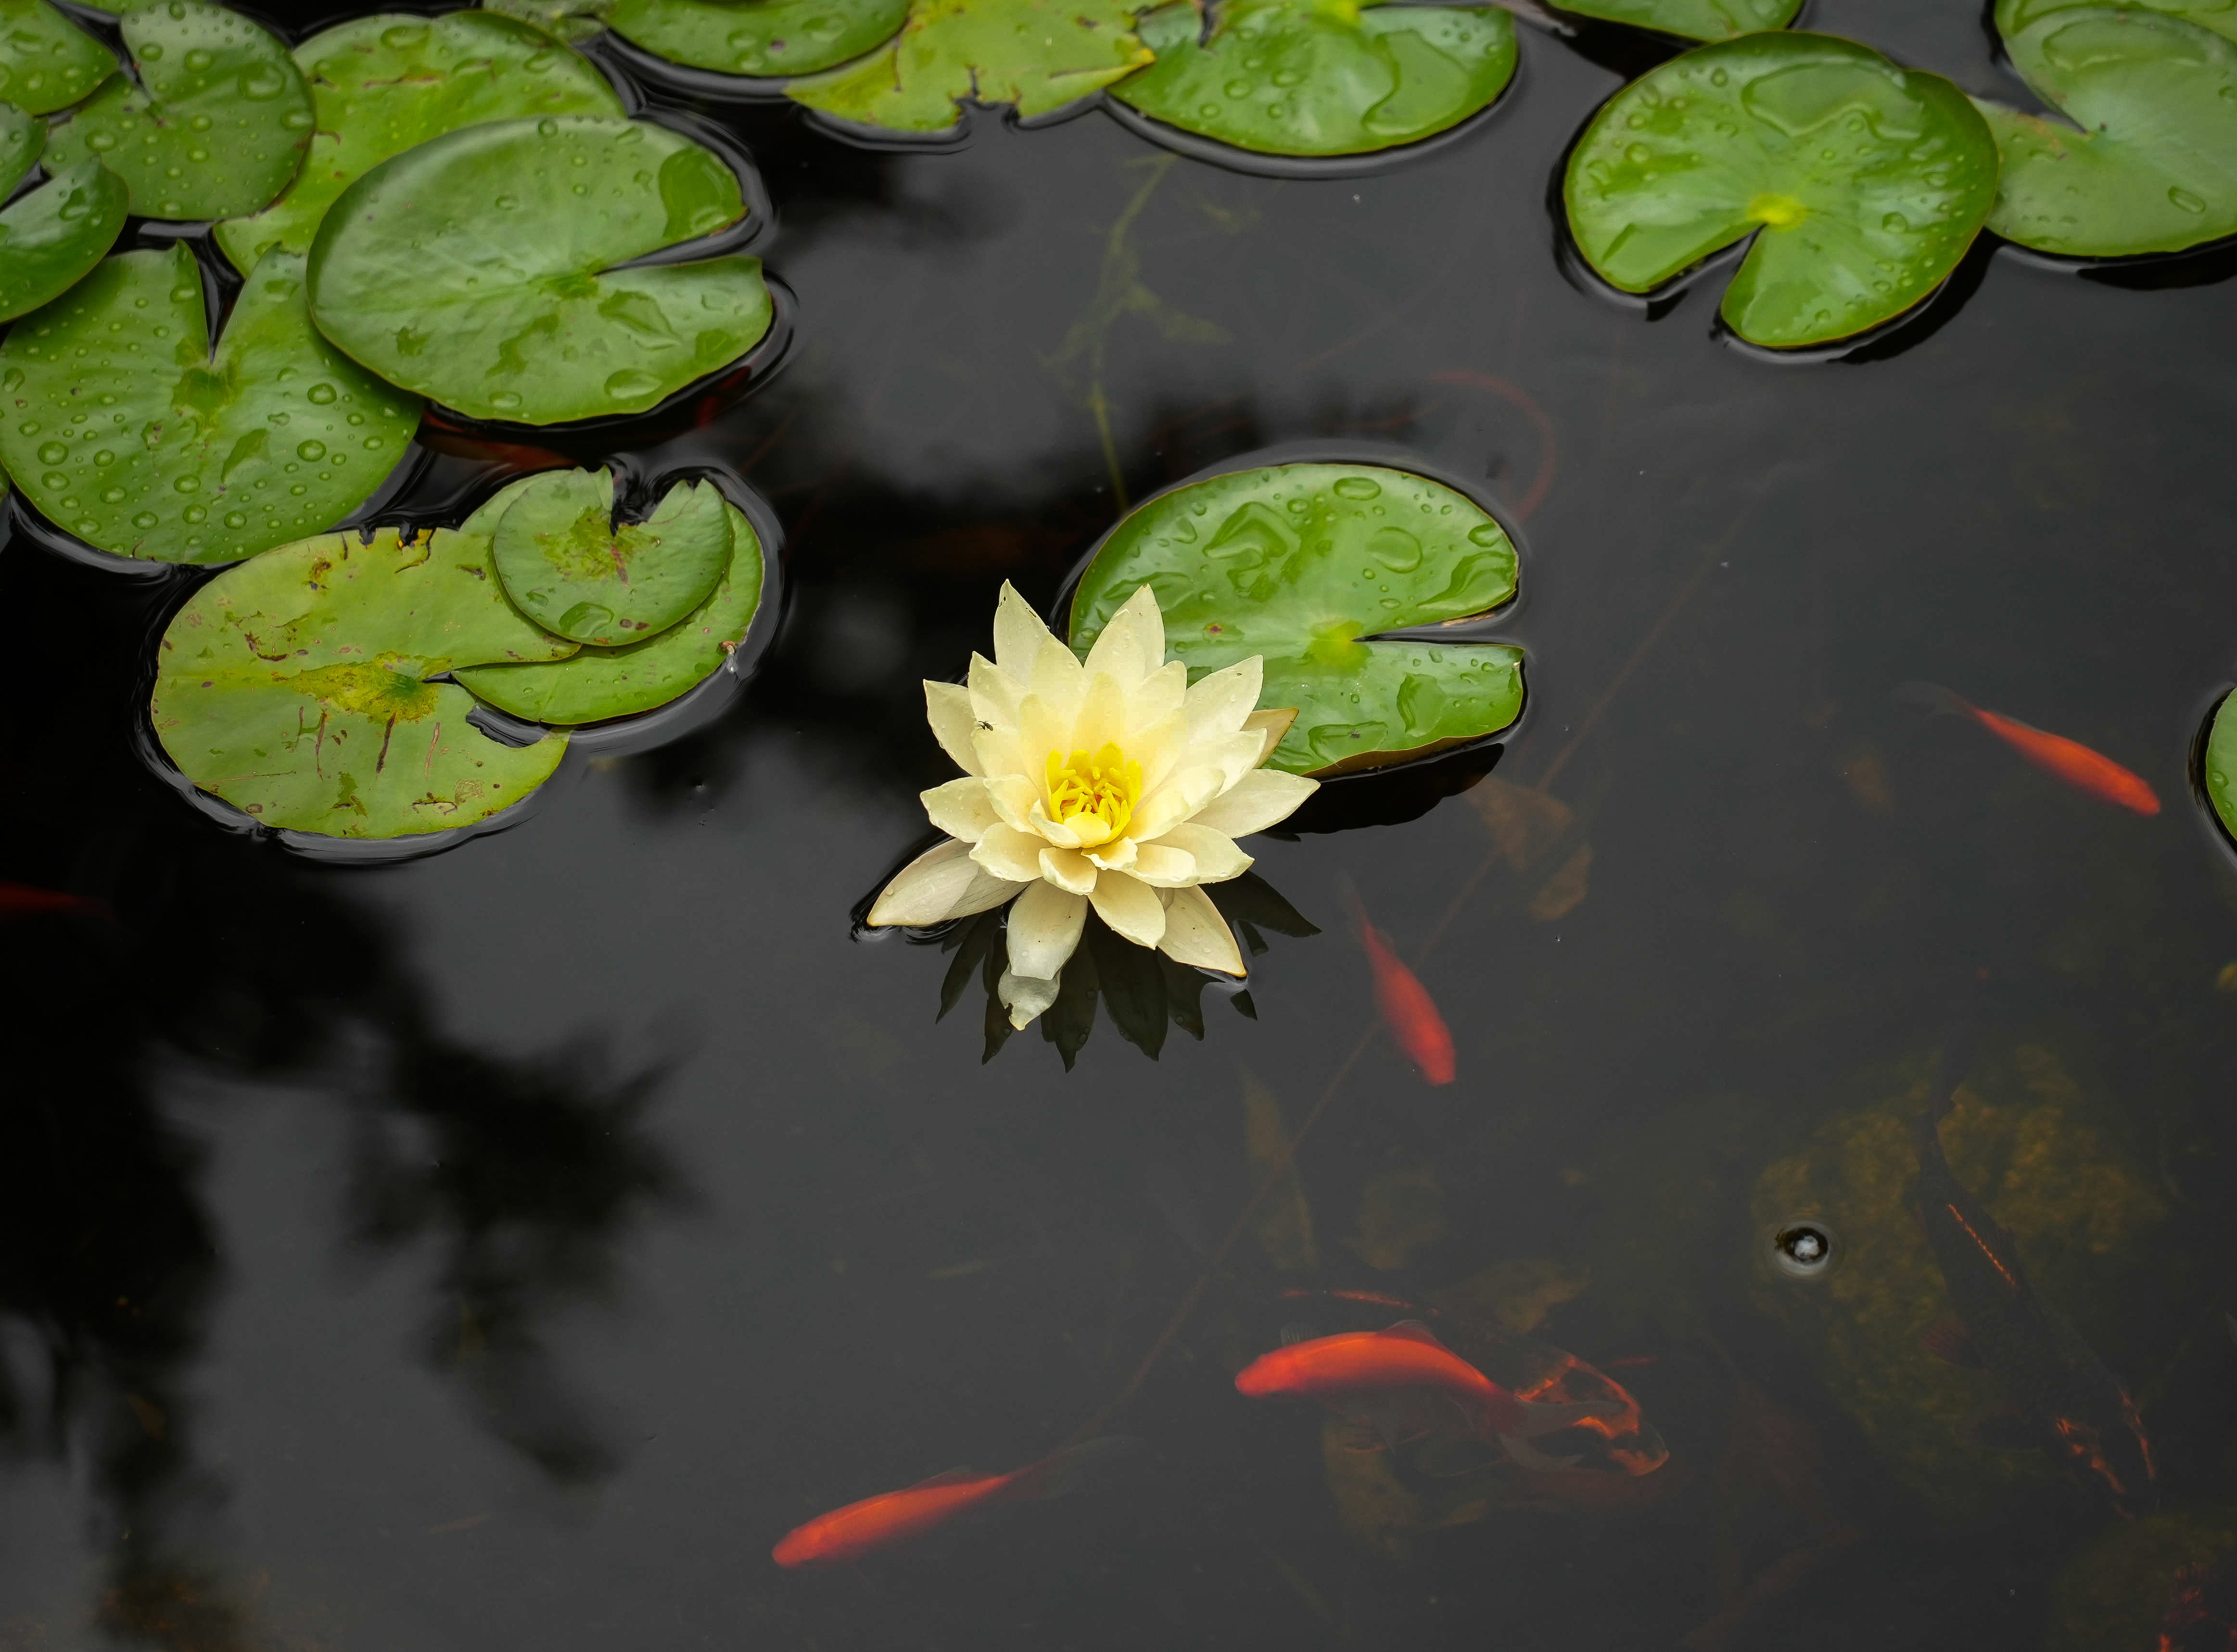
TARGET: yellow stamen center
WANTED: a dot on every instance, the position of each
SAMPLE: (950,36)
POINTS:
(1105,785)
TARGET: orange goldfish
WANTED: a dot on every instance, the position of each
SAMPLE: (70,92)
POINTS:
(2057,755)
(22,900)
(1407,1009)
(893,1519)
(1409,1355)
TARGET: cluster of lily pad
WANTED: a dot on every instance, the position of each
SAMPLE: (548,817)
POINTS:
(326,686)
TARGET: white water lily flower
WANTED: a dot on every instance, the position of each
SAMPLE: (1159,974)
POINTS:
(1111,784)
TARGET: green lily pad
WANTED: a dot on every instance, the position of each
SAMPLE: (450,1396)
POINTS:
(217,125)
(2153,165)
(573,569)
(1862,182)
(54,234)
(295,687)
(2221,763)
(477,270)
(566,20)
(760,37)
(2220,16)
(1691,19)
(47,62)
(1037,56)
(385,84)
(599,684)
(1304,564)
(1324,77)
(188,455)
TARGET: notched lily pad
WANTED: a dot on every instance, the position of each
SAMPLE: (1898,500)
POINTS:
(599,684)
(1306,564)
(1691,19)
(47,62)
(217,125)
(382,84)
(1863,183)
(758,38)
(1324,76)
(479,269)
(187,454)
(573,569)
(57,232)
(1037,56)
(2149,162)
(295,687)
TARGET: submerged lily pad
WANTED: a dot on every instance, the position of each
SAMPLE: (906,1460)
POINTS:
(295,687)
(2153,167)
(601,683)
(47,62)
(573,569)
(2222,764)
(1305,564)
(1863,183)
(1324,77)
(187,454)
(762,38)
(383,84)
(1691,19)
(54,234)
(477,270)
(217,125)
(1037,56)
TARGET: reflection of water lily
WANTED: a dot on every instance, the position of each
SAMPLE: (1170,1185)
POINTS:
(1112,783)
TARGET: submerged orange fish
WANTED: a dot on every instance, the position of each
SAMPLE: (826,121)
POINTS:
(2057,755)
(1358,1363)
(1407,1009)
(893,1519)
(22,900)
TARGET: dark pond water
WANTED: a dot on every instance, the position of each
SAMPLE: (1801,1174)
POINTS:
(504,1249)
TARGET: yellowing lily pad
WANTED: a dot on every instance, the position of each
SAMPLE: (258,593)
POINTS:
(1308,565)
(1037,56)
(758,38)
(187,454)
(479,269)
(1862,183)
(573,569)
(2149,162)
(1323,77)
(383,84)
(47,62)
(217,125)
(295,687)
(57,232)
(1691,19)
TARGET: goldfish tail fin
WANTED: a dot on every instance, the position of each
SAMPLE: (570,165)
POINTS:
(1077,1468)
(1540,1417)
(1529,1456)
(1932,697)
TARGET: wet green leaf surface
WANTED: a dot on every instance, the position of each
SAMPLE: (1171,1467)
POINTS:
(1325,77)
(1035,54)
(1862,182)
(573,569)
(47,62)
(601,683)
(2222,764)
(1691,19)
(382,84)
(217,126)
(50,238)
(295,687)
(477,270)
(2220,16)
(762,38)
(188,455)
(1303,564)
(561,19)
(2154,165)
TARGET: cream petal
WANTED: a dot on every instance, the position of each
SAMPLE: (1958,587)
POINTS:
(961,809)
(1014,798)
(1273,724)
(1164,867)
(1117,855)
(1219,703)
(1260,799)
(1175,801)
(1058,677)
(1158,699)
(941,883)
(1007,852)
(1158,747)
(1101,719)
(1053,831)
(1044,927)
(994,693)
(1195,934)
(1043,727)
(1217,858)
(1236,754)
(1068,870)
(1129,907)
(948,708)
(1134,645)
(1026,996)
(1090,830)
(1018,633)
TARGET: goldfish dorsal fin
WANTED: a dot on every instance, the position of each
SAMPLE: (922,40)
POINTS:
(1415,1331)
(952,1477)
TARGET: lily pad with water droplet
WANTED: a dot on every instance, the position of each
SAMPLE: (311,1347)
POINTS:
(568,20)
(1691,19)
(1306,564)
(295,687)
(217,125)
(47,62)
(479,269)
(382,84)
(185,454)
(1324,76)
(573,569)
(57,232)
(598,683)
(2220,16)
(2220,774)
(1037,56)
(1863,183)
(758,38)
(2149,162)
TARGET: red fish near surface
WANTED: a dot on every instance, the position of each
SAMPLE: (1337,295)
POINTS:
(1407,1009)
(22,900)
(2057,755)
(1409,1355)
(893,1519)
